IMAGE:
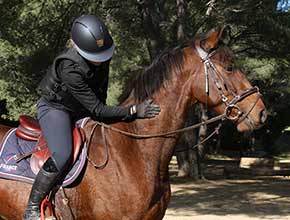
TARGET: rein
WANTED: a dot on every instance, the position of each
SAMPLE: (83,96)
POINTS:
(230,105)
(165,134)
(145,136)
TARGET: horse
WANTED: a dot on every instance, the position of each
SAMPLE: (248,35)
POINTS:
(134,184)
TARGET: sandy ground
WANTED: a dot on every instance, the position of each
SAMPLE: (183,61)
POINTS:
(238,198)
(218,198)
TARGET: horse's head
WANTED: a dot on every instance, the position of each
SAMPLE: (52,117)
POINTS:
(204,72)
(223,87)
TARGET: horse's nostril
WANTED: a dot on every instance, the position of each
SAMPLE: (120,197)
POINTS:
(263,116)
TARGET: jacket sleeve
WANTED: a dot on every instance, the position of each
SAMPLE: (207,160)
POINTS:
(104,86)
(74,80)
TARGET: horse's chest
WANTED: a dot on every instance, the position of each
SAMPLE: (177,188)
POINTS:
(126,206)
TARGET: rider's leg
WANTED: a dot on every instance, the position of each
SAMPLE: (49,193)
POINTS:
(57,130)
(44,182)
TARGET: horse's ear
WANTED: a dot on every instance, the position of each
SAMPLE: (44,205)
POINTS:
(226,35)
(216,36)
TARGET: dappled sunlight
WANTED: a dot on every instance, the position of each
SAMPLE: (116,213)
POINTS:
(240,198)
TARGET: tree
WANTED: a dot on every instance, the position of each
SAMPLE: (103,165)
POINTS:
(33,32)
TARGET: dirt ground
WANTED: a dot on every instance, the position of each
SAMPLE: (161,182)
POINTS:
(219,198)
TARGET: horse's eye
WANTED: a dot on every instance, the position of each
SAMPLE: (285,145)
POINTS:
(229,67)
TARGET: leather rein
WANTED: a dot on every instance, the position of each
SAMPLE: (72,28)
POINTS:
(209,68)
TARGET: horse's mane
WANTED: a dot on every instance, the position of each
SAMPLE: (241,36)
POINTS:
(154,76)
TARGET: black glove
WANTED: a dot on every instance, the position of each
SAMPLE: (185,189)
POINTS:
(145,109)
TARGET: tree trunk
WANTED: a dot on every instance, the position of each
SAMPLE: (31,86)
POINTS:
(3,107)
(187,157)
(180,19)
(152,14)
(202,147)
(191,161)
(210,7)
(187,160)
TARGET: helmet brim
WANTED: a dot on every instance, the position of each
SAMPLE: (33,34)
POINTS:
(97,57)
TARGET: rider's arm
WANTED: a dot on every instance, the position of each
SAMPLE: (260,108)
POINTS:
(75,81)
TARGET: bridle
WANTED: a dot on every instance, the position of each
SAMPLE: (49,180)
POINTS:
(210,68)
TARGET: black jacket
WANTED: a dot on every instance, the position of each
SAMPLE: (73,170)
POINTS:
(74,84)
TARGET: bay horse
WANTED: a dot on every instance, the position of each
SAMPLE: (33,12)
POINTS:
(134,184)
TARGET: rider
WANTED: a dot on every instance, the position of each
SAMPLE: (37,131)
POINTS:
(76,86)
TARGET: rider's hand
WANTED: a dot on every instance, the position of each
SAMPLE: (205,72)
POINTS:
(146,109)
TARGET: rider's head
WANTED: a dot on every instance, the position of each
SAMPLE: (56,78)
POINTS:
(92,39)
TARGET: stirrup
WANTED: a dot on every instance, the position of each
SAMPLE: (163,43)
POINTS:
(46,204)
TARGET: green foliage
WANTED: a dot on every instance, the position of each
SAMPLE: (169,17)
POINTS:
(114,91)
(33,32)
(282,144)
(272,77)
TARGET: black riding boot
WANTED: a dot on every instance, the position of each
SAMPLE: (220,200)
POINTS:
(44,182)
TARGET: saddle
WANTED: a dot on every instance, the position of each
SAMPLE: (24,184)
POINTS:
(30,130)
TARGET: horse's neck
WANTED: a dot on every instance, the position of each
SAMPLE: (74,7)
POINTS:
(174,103)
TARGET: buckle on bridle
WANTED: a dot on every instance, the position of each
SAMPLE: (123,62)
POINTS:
(228,112)
(224,98)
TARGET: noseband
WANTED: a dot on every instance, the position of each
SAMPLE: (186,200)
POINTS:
(209,67)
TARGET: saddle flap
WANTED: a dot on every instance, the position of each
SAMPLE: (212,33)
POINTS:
(39,157)
(13,148)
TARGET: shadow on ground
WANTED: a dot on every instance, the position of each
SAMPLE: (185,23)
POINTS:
(262,197)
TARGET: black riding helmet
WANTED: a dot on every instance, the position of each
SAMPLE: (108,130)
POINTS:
(92,39)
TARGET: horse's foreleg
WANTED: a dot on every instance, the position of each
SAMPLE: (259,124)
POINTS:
(157,211)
